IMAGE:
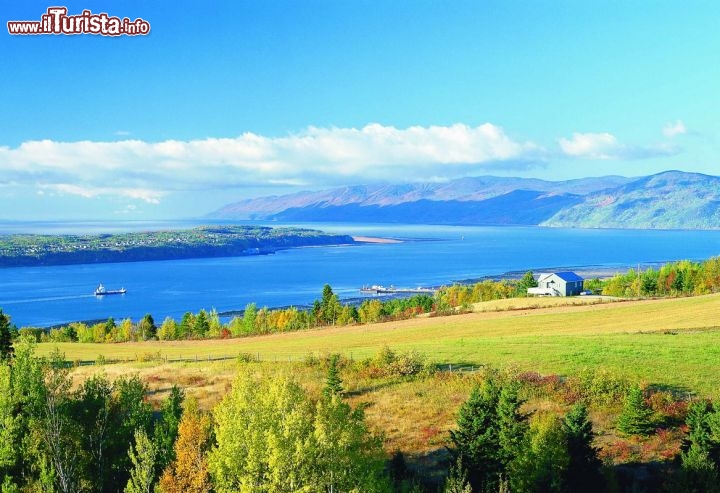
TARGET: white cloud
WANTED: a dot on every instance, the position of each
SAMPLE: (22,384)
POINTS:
(606,146)
(317,156)
(674,129)
(590,145)
(149,196)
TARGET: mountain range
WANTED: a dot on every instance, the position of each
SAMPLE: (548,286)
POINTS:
(667,200)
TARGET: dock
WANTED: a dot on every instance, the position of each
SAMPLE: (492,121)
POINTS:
(375,289)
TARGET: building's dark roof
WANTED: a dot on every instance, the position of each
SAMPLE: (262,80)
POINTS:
(568,276)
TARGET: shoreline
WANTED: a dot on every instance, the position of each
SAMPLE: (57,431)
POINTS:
(585,271)
(375,240)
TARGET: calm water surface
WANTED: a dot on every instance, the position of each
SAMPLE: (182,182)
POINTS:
(434,255)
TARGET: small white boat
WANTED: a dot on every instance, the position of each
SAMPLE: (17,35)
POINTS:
(102,291)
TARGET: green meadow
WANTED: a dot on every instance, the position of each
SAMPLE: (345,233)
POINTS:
(667,342)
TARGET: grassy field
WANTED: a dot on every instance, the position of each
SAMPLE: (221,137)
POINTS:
(673,342)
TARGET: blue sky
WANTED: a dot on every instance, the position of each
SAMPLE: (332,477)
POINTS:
(231,99)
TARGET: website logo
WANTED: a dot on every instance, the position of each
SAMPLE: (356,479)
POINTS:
(57,21)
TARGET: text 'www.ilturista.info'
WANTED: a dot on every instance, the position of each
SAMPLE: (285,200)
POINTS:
(56,21)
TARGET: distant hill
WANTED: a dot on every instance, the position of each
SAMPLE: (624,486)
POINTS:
(668,200)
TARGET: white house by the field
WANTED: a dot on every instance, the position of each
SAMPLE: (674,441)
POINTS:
(558,284)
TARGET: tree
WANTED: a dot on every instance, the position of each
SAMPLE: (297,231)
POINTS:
(6,343)
(584,470)
(333,383)
(94,406)
(271,437)
(201,325)
(57,429)
(329,308)
(166,429)
(248,320)
(636,416)
(168,329)
(476,440)
(147,328)
(346,457)
(699,472)
(142,456)
(541,464)
(185,328)
(188,473)
(511,423)
(527,281)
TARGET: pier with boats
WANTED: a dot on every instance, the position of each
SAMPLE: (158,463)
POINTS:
(377,289)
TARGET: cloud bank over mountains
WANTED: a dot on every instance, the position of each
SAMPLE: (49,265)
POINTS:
(148,171)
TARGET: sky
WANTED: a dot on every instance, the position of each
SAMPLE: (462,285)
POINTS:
(226,100)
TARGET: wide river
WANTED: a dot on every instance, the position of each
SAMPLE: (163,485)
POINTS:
(429,256)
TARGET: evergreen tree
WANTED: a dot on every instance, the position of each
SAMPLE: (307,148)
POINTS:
(185,329)
(699,472)
(584,471)
(512,424)
(6,343)
(333,383)
(636,416)
(201,326)
(476,441)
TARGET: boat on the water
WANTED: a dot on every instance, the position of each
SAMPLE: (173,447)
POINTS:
(102,291)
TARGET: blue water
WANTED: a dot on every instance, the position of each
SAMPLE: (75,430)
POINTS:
(45,296)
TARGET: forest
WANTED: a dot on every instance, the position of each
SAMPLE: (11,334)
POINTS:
(272,432)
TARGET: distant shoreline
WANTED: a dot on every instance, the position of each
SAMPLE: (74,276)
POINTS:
(33,250)
(374,239)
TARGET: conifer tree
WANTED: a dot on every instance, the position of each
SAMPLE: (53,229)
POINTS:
(476,440)
(6,343)
(512,424)
(699,472)
(333,383)
(584,471)
(636,416)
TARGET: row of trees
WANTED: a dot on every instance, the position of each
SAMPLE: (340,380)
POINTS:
(325,312)
(672,279)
